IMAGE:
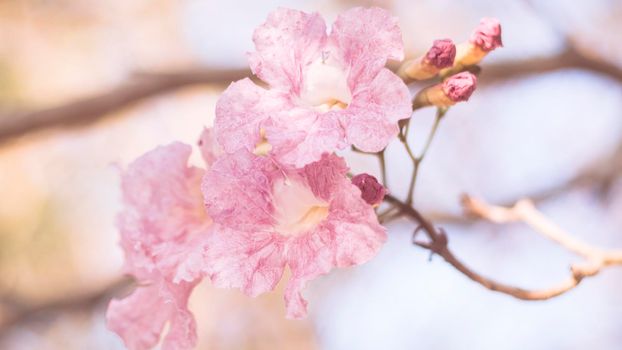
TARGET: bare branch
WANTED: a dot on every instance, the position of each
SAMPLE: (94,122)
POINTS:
(18,312)
(525,211)
(600,175)
(570,58)
(438,244)
(91,109)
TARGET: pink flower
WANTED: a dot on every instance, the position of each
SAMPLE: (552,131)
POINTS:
(372,191)
(325,91)
(164,228)
(487,35)
(267,217)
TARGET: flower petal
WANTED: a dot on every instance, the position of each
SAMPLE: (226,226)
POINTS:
(250,261)
(163,207)
(139,319)
(301,136)
(239,112)
(287,40)
(356,231)
(371,121)
(365,38)
(236,190)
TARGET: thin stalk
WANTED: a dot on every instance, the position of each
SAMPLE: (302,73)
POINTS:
(440,112)
(383,167)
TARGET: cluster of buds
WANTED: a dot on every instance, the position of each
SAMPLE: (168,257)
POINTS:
(449,61)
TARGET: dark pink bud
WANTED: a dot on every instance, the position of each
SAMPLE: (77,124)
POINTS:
(487,35)
(372,191)
(459,87)
(442,53)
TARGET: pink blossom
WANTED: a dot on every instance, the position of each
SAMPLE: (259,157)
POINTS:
(164,228)
(487,35)
(266,217)
(325,91)
(372,191)
(459,87)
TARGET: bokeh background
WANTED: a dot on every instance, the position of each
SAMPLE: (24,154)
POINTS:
(88,85)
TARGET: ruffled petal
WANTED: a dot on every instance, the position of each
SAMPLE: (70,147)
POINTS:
(365,38)
(188,260)
(163,208)
(301,136)
(250,261)
(139,319)
(236,191)
(288,40)
(308,257)
(357,235)
(239,112)
(371,120)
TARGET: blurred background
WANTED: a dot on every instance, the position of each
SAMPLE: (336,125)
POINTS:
(86,85)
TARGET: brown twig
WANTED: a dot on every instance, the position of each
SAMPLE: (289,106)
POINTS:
(89,110)
(599,175)
(20,312)
(525,211)
(570,58)
(438,244)
(94,108)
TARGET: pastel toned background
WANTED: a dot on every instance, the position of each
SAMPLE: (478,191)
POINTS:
(519,135)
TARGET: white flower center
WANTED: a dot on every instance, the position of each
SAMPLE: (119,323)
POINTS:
(296,208)
(326,85)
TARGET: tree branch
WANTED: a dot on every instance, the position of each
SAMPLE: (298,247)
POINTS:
(89,110)
(600,175)
(17,312)
(570,58)
(94,108)
(524,211)
(438,244)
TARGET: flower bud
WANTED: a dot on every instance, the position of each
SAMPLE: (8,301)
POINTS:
(372,191)
(485,38)
(456,88)
(487,35)
(440,55)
